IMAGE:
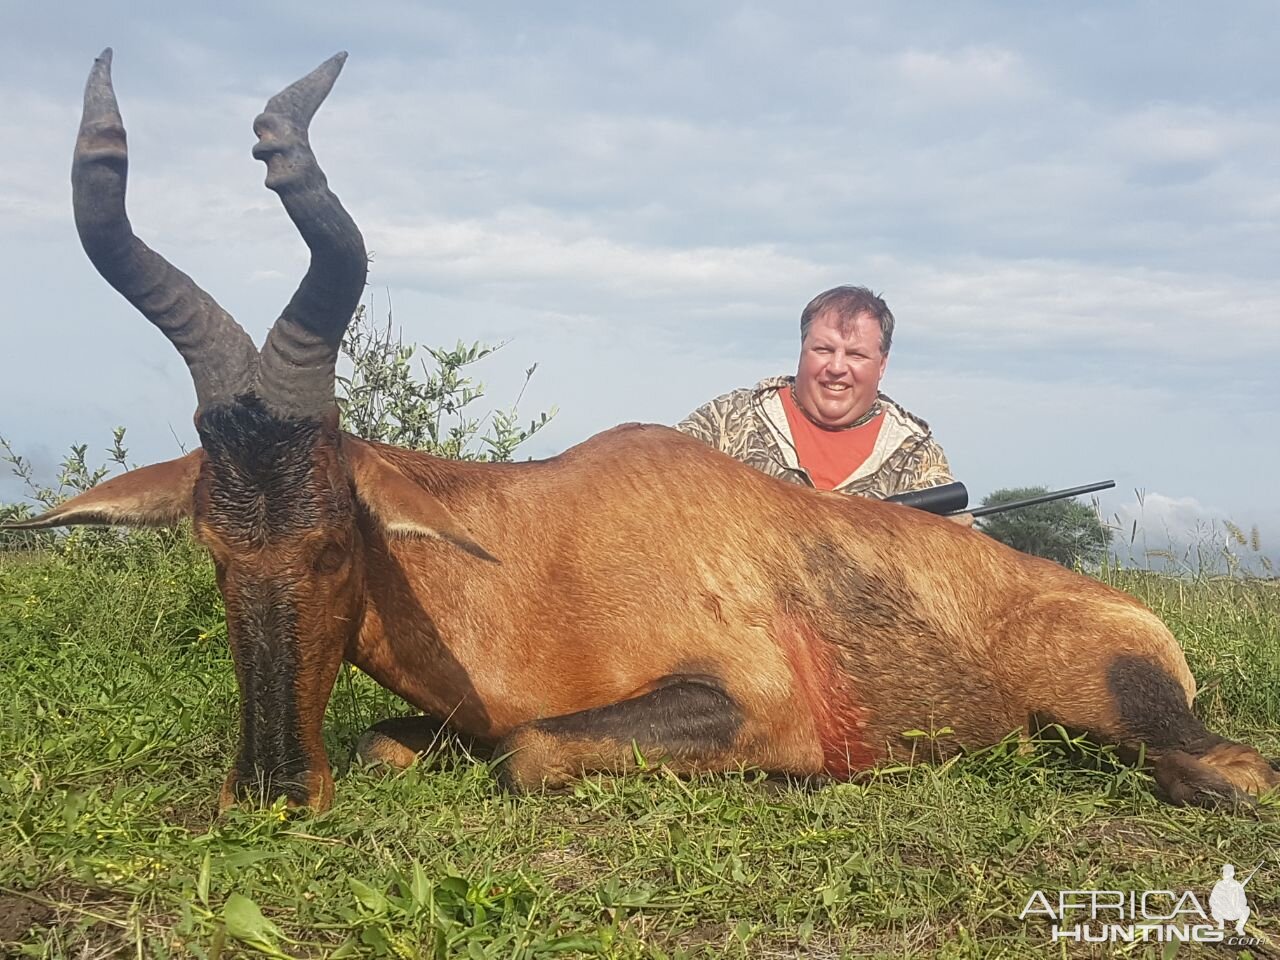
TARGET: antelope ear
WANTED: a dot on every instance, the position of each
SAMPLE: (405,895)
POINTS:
(402,507)
(159,495)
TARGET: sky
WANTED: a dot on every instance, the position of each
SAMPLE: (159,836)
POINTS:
(1072,209)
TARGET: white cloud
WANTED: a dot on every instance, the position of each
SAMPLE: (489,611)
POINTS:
(970,74)
(1177,518)
(1182,534)
(1117,312)
(1183,133)
(519,246)
(37,128)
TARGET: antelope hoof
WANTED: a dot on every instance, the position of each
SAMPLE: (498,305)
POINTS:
(313,793)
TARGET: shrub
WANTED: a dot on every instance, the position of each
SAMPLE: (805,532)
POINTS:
(381,398)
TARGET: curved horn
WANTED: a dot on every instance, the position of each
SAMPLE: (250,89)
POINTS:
(298,358)
(220,355)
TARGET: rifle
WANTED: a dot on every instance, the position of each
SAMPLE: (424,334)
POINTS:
(1252,872)
(949,499)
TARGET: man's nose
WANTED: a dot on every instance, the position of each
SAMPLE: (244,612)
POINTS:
(838,363)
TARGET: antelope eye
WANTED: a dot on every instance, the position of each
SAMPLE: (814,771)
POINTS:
(331,559)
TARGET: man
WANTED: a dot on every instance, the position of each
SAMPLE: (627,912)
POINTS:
(829,427)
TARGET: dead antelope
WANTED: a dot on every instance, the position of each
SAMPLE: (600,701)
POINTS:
(638,592)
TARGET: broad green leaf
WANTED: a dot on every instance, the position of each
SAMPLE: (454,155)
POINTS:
(245,922)
(371,898)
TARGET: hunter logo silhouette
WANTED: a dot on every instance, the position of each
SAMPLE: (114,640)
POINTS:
(1227,900)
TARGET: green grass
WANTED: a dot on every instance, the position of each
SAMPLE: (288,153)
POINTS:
(119,713)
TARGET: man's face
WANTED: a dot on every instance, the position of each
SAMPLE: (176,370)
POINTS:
(840,369)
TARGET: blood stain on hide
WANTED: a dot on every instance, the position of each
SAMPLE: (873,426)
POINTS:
(839,721)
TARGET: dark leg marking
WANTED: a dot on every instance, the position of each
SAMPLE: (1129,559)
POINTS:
(1191,765)
(687,719)
(684,715)
(398,741)
(1153,707)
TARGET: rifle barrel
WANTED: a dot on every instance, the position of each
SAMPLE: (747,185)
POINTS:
(1041,498)
(943,500)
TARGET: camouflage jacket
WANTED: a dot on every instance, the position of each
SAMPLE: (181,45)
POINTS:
(750,425)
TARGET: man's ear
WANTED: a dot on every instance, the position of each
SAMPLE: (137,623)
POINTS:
(402,507)
(159,495)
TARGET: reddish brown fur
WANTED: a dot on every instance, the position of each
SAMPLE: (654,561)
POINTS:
(582,583)
(979,638)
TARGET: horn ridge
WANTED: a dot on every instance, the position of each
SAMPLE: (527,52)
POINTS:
(219,354)
(299,356)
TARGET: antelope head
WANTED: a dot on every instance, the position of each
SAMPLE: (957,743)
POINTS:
(275,491)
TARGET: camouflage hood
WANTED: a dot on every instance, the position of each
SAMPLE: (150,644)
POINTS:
(751,425)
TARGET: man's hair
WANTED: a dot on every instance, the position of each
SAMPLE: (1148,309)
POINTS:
(847,304)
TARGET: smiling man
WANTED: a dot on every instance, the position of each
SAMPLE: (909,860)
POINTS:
(829,426)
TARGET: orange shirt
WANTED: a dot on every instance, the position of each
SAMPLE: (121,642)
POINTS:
(829,456)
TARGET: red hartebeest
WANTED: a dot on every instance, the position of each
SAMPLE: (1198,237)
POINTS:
(638,591)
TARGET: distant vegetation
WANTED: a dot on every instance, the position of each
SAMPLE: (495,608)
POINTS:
(1075,535)
(1065,531)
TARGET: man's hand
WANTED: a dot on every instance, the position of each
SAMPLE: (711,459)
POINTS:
(964,519)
